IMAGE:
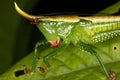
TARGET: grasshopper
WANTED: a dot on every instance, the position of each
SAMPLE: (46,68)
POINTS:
(82,32)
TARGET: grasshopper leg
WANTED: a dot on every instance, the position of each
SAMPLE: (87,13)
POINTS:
(38,44)
(49,55)
(34,63)
(89,49)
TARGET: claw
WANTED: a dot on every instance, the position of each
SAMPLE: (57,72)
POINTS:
(43,70)
(28,72)
(112,76)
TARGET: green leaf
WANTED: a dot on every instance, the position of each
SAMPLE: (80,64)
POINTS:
(110,10)
(71,63)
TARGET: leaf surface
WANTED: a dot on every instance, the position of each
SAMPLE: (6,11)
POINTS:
(71,63)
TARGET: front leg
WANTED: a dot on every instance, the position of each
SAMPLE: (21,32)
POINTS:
(90,50)
(38,44)
(34,63)
(50,55)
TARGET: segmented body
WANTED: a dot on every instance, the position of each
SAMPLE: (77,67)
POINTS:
(86,31)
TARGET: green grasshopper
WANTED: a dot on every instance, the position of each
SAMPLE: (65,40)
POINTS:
(82,32)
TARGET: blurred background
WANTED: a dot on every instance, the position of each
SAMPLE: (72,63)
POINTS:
(18,36)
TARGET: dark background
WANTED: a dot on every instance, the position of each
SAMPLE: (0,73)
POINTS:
(18,36)
(82,6)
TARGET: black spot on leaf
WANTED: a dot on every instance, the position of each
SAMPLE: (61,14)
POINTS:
(19,73)
(115,48)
